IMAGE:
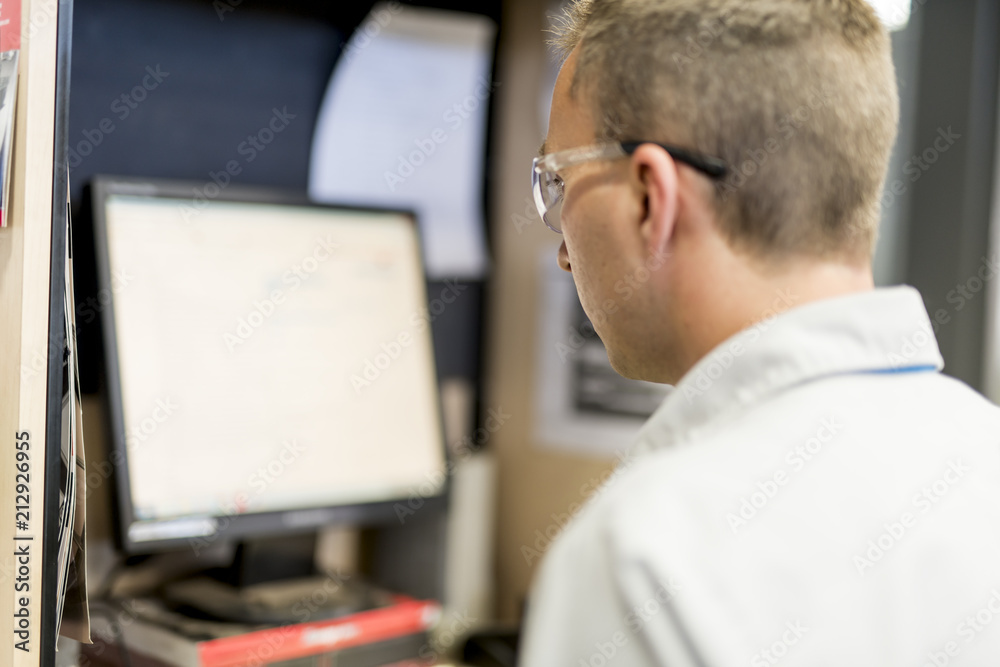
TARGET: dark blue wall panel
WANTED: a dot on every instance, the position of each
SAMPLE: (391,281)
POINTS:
(178,89)
(168,89)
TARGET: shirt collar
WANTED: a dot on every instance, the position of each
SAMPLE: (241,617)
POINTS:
(885,330)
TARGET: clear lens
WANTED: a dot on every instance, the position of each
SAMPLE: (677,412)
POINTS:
(553,212)
(547,188)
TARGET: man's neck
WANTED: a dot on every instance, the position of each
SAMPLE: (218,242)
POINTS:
(718,309)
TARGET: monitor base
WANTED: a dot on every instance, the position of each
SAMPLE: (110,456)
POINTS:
(273,580)
(278,602)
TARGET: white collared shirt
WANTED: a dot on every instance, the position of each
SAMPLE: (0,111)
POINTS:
(813,492)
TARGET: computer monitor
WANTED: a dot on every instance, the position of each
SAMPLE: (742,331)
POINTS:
(269,362)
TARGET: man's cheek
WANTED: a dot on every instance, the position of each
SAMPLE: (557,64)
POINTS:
(591,295)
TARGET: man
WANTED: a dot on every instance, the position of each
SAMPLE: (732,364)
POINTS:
(813,492)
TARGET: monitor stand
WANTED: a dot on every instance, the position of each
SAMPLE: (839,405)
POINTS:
(264,560)
(273,581)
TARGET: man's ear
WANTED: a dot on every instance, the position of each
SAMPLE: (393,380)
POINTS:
(655,173)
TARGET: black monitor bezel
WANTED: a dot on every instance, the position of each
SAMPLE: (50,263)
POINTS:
(242,526)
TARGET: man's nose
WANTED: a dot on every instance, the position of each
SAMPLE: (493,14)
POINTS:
(563,258)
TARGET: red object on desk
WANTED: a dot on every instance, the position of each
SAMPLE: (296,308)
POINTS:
(305,639)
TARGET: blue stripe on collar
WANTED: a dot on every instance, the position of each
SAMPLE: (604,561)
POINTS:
(904,369)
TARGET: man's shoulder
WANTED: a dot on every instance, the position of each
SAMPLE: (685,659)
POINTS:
(809,506)
(806,442)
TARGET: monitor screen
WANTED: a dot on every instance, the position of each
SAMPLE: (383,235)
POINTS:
(270,363)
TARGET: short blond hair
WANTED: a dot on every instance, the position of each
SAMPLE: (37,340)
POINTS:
(797,96)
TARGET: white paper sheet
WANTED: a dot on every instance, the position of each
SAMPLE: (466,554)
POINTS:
(403,125)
